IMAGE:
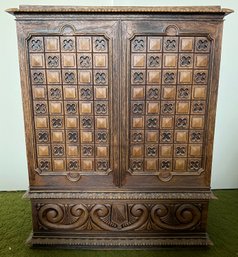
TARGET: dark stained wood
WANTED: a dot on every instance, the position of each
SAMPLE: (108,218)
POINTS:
(119,109)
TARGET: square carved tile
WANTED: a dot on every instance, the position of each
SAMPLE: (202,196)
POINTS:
(102,136)
(152,108)
(152,136)
(100,77)
(185,77)
(202,45)
(68,60)
(71,122)
(39,92)
(194,164)
(54,92)
(170,44)
(44,164)
(85,93)
(180,164)
(184,92)
(69,76)
(182,107)
(87,164)
(200,77)
(58,150)
(199,92)
(43,150)
(56,122)
(36,44)
(137,108)
(154,61)
(165,151)
(86,122)
(170,60)
(151,164)
(84,77)
(201,61)
(86,136)
(57,136)
(138,61)
(101,151)
(101,122)
(167,107)
(168,93)
(100,44)
(137,92)
(181,136)
(52,60)
(195,150)
(165,165)
(67,44)
(138,44)
(153,77)
(186,44)
(198,107)
(85,108)
(41,122)
(70,93)
(55,108)
(52,44)
(40,107)
(58,164)
(166,136)
(84,44)
(195,136)
(138,77)
(137,151)
(166,122)
(197,122)
(100,61)
(71,108)
(42,136)
(151,151)
(185,61)
(87,150)
(182,121)
(137,136)
(180,150)
(84,60)
(73,164)
(53,76)
(169,76)
(153,93)
(152,122)
(101,108)
(154,44)
(37,61)
(72,150)
(38,77)
(137,122)
(101,93)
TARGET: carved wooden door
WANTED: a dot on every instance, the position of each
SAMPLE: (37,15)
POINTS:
(167,88)
(75,112)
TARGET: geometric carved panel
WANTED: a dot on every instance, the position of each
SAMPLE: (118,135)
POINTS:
(72,131)
(168,90)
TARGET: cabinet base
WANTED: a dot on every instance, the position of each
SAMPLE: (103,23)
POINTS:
(118,242)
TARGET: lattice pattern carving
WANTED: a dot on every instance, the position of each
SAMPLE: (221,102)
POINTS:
(169,80)
(70,87)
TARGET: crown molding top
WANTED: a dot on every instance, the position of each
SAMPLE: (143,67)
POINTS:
(119,9)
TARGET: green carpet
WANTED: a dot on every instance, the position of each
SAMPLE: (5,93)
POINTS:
(15,227)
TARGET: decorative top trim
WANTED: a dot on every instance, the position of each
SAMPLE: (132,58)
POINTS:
(119,9)
(119,195)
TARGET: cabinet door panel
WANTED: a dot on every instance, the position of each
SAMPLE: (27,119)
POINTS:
(168,87)
(72,100)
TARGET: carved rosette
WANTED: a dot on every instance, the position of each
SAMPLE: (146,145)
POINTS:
(119,217)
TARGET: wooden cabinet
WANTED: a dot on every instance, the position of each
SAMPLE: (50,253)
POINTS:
(119,106)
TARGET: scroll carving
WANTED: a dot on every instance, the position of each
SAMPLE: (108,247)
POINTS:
(119,217)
